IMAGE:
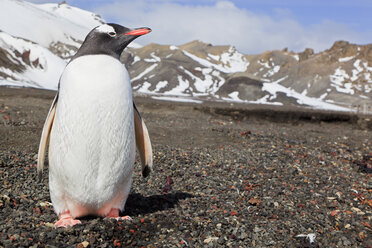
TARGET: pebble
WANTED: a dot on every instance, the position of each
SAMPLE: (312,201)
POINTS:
(277,164)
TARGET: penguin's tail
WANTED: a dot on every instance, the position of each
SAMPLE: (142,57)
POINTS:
(147,167)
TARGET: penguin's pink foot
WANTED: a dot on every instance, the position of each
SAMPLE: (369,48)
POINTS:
(66,220)
(114,214)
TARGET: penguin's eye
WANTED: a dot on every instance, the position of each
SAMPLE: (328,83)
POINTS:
(112,34)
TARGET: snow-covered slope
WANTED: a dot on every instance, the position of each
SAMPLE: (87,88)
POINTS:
(33,65)
(194,69)
(37,40)
(46,24)
(40,39)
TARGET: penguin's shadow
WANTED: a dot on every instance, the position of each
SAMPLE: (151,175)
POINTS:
(139,204)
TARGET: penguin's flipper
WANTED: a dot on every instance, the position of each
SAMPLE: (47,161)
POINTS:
(45,136)
(143,142)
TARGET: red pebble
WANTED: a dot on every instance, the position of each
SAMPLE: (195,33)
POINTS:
(233,213)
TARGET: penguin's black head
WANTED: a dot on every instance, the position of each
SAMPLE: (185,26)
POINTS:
(109,39)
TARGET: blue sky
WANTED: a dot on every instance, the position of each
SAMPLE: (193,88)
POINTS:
(252,26)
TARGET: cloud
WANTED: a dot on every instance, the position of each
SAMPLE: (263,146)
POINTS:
(223,23)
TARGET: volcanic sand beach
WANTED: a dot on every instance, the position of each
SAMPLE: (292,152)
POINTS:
(224,176)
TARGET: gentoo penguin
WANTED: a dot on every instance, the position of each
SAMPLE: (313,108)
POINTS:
(92,128)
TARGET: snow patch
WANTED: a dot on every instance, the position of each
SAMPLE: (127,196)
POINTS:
(234,96)
(272,71)
(345,59)
(161,85)
(274,87)
(356,71)
(264,100)
(323,96)
(201,85)
(338,81)
(180,88)
(214,57)
(265,64)
(176,99)
(145,88)
(154,58)
(148,69)
(296,57)
(232,61)
(136,59)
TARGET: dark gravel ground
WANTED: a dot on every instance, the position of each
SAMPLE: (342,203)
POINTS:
(217,182)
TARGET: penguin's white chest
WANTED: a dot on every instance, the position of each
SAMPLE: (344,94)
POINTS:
(92,142)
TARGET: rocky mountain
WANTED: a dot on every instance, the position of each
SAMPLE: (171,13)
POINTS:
(338,78)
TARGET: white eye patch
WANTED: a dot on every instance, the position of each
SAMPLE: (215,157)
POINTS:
(106,29)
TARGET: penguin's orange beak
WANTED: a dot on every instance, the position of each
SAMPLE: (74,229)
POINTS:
(139,31)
